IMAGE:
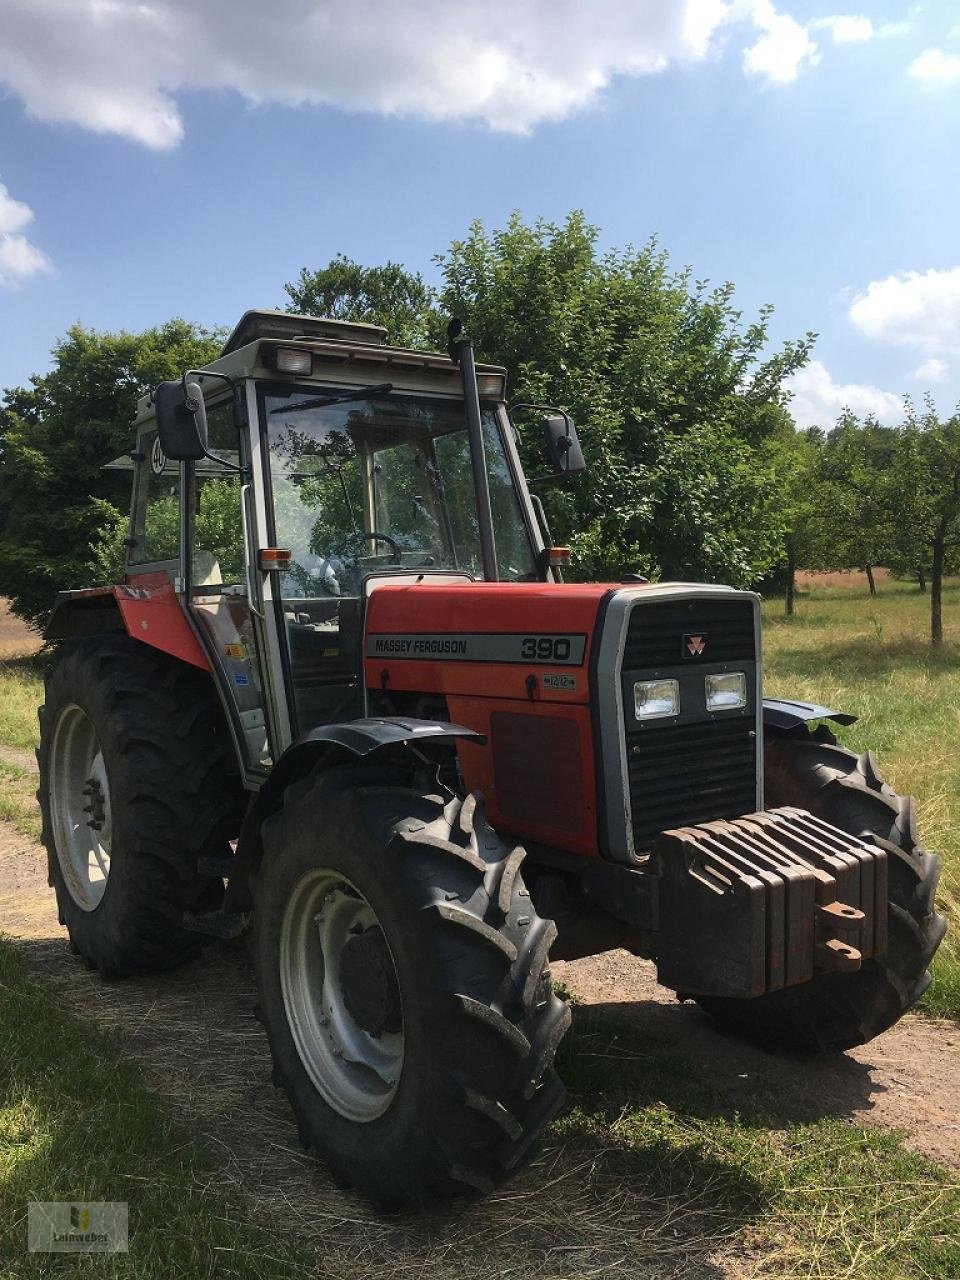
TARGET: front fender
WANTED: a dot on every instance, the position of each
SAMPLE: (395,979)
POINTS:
(783,713)
(331,744)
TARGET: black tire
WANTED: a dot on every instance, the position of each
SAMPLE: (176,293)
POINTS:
(835,1012)
(481,1022)
(172,798)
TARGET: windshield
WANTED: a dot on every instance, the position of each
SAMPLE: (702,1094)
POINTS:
(384,483)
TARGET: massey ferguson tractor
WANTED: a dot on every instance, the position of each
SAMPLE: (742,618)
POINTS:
(343,699)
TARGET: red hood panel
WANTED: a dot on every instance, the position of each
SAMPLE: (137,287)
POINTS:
(485,639)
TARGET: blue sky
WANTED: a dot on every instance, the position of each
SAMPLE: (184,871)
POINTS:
(181,158)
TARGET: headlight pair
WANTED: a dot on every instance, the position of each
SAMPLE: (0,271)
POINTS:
(655,699)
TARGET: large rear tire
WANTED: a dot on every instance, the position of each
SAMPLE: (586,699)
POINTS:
(404,989)
(135,786)
(835,1012)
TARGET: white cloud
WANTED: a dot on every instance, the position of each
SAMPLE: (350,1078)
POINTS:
(846,28)
(818,401)
(932,370)
(117,66)
(783,47)
(18,257)
(933,66)
(914,309)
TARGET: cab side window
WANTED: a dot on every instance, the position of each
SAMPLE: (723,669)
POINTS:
(156,525)
(218,551)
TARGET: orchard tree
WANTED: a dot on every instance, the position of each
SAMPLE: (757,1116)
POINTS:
(674,397)
(389,295)
(55,436)
(926,475)
(797,462)
(861,504)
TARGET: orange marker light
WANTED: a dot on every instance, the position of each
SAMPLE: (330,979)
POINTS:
(275,558)
(558,557)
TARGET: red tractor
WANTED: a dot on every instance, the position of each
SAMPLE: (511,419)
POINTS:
(343,679)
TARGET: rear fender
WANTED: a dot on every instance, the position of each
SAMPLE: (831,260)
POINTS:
(146,607)
(323,748)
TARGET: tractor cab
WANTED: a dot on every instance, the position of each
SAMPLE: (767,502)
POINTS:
(307,461)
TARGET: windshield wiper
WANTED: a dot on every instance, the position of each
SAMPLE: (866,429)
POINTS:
(362,393)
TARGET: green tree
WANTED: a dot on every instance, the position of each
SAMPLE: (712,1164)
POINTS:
(796,466)
(56,434)
(674,397)
(925,476)
(388,295)
(861,506)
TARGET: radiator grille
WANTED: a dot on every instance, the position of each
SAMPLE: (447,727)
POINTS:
(683,774)
(656,630)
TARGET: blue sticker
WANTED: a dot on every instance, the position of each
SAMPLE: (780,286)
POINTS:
(241,679)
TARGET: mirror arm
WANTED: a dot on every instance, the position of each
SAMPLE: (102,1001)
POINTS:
(193,406)
(542,408)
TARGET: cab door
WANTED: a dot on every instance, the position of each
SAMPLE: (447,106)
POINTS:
(217,580)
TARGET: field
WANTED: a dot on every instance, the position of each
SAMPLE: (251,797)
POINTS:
(682,1154)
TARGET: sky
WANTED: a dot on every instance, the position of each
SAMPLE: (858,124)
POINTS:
(189,157)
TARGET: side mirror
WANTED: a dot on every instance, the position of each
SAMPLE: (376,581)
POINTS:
(181,420)
(563,445)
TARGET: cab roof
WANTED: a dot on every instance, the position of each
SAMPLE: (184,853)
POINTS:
(340,348)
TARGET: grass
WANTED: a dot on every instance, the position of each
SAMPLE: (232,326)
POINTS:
(652,1171)
(871,657)
(18,805)
(21,693)
(77,1123)
(810,1195)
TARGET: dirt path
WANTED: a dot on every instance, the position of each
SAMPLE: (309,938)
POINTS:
(199,1046)
(22,759)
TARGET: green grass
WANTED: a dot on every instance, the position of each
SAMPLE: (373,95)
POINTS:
(871,657)
(812,1195)
(21,693)
(18,790)
(77,1123)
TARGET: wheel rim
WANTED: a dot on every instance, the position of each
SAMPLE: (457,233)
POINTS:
(341,996)
(80,807)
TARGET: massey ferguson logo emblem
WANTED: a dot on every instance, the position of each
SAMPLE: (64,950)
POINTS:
(694,646)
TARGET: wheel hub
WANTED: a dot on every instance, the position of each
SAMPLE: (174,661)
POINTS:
(369,984)
(80,809)
(341,995)
(96,805)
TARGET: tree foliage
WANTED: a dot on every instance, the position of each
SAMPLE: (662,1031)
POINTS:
(56,434)
(388,295)
(675,398)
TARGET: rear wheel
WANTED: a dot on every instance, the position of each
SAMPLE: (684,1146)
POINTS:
(404,988)
(837,1011)
(134,788)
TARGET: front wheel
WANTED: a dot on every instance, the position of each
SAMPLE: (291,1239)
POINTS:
(404,988)
(835,1012)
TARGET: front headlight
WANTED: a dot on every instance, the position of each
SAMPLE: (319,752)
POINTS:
(726,691)
(655,698)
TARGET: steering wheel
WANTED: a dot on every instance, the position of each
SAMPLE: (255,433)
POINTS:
(332,566)
(373,536)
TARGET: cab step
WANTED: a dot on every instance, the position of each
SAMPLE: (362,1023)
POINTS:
(218,924)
